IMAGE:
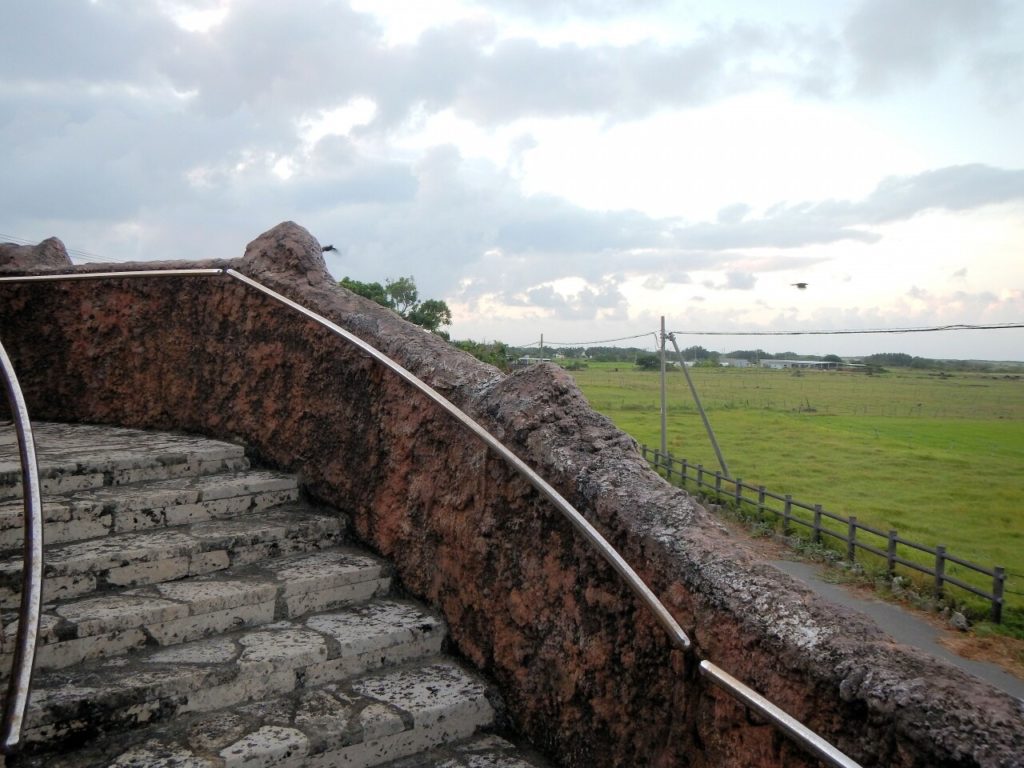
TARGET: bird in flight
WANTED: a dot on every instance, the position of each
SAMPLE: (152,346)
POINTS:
(801,286)
(327,248)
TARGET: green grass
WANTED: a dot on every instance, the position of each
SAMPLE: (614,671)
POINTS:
(937,458)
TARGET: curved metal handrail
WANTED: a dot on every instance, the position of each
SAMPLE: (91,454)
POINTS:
(789,725)
(801,734)
(580,523)
(19,687)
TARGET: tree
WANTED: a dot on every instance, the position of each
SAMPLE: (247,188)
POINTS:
(648,362)
(372,291)
(430,314)
(697,353)
(496,353)
(402,296)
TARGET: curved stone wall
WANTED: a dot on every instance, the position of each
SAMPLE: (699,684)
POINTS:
(586,673)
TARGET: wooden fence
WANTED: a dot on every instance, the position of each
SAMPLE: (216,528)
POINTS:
(855,535)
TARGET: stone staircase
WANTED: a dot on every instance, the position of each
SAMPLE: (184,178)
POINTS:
(199,613)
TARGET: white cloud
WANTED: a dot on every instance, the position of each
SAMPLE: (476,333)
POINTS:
(583,163)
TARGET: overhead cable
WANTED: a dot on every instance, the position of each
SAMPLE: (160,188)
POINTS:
(923,329)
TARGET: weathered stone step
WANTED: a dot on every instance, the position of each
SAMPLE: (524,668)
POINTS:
(74,457)
(136,559)
(485,751)
(117,509)
(182,611)
(70,707)
(366,721)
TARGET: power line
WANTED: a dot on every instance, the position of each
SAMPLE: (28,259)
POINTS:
(581,343)
(923,329)
(75,253)
(89,257)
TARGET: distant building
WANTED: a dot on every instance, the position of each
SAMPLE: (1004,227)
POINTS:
(819,364)
(526,360)
(735,362)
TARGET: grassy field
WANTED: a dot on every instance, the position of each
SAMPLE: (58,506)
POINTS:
(936,457)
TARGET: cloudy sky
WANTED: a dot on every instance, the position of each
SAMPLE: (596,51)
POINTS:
(575,168)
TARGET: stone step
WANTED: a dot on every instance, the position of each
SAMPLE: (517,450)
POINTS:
(485,751)
(196,613)
(366,721)
(70,707)
(118,509)
(136,559)
(181,611)
(75,457)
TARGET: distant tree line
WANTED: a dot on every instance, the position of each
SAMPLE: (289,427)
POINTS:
(402,296)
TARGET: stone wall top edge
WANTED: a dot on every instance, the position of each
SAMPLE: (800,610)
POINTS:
(119,266)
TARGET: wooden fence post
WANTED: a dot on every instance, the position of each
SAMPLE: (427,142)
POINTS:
(700,476)
(760,502)
(718,484)
(851,540)
(683,466)
(817,524)
(668,465)
(998,583)
(890,558)
(786,509)
(739,494)
(940,569)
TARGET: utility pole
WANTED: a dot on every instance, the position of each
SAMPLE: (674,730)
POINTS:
(664,400)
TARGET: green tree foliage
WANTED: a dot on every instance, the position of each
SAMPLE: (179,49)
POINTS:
(372,291)
(430,314)
(753,355)
(496,353)
(699,353)
(614,354)
(648,362)
(402,296)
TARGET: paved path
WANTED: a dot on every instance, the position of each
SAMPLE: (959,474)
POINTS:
(902,625)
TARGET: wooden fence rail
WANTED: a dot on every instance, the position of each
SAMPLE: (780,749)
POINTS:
(725,488)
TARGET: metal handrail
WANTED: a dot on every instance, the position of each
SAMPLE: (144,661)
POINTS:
(19,687)
(800,733)
(579,522)
(789,725)
(785,722)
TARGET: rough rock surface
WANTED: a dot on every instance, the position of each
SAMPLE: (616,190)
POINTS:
(49,253)
(587,673)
